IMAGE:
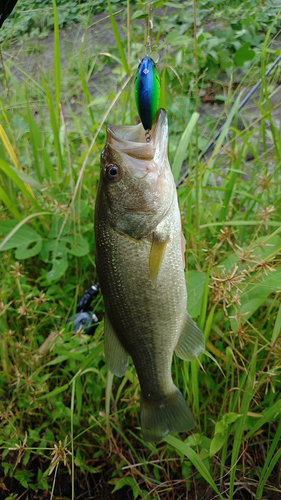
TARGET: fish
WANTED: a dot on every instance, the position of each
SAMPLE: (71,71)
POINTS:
(147,91)
(140,264)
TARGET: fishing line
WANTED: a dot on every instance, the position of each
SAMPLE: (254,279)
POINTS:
(84,316)
(149,27)
(212,142)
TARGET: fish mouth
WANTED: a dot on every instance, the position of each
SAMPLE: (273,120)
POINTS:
(131,140)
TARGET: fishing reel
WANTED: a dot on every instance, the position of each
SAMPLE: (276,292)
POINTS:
(84,317)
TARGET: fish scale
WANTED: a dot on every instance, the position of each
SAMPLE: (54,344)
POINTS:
(139,257)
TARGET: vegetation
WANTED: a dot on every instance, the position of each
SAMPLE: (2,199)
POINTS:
(66,427)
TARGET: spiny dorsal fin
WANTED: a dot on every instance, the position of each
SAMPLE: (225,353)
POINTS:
(157,252)
(191,342)
(117,358)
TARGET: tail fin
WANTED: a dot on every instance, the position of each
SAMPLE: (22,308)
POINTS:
(158,418)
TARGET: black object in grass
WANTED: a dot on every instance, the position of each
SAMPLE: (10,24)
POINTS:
(85,318)
(6,7)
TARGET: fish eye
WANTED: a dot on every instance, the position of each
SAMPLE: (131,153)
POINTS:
(113,172)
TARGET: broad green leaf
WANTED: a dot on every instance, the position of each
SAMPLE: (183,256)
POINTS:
(256,293)
(55,251)
(26,241)
(79,248)
(60,265)
(120,483)
(51,246)
(230,418)
(183,145)
(81,209)
(244,54)
(70,354)
(27,179)
(195,459)
(220,427)
(24,477)
(217,443)
(195,283)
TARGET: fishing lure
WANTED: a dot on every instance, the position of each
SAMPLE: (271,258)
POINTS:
(147,92)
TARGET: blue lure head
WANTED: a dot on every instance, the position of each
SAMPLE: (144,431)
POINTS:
(147,91)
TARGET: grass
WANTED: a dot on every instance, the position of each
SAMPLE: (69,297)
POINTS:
(65,423)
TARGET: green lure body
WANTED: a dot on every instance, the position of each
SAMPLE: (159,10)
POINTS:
(147,91)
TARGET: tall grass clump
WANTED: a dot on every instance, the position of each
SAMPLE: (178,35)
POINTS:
(67,426)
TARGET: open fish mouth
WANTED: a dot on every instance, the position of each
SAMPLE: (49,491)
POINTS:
(131,140)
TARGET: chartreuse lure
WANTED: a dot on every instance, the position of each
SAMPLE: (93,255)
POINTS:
(147,92)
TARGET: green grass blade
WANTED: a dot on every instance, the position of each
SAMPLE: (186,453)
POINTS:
(37,144)
(195,388)
(12,174)
(9,204)
(21,223)
(195,460)
(238,439)
(269,463)
(269,470)
(234,222)
(108,391)
(57,64)
(183,146)
(72,438)
(162,99)
(277,327)
(204,303)
(86,92)
(230,187)
(221,138)
(35,141)
(118,40)
(54,126)
(269,415)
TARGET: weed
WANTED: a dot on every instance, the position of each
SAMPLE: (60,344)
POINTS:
(61,413)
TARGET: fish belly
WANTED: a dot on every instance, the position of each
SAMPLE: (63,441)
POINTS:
(147,316)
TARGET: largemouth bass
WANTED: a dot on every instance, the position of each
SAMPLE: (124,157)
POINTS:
(140,264)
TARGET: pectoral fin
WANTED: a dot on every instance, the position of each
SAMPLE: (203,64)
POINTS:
(116,357)
(191,342)
(157,252)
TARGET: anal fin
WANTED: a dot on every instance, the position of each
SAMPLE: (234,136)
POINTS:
(191,342)
(117,358)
